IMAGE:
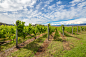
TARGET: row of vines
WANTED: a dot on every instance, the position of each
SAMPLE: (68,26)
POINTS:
(72,29)
(20,31)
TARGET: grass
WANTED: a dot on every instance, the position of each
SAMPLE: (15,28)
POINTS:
(78,47)
(57,36)
(31,48)
(79,51)
(55,48)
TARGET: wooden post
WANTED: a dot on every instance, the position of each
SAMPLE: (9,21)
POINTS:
(72,29)
(63,30)
(0,46)
(16,36)
(77,29)
(81,29)
(48,31)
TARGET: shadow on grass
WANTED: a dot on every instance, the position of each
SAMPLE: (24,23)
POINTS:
(67,34)
(44,36)
(75,33)
(34,46)
(58,39)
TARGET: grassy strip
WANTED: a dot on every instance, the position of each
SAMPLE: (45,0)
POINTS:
(56,36)
(54,49)
(79,51)
(78,48)
(31,48)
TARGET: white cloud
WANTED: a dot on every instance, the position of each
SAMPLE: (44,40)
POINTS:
(82,4)
(76,21)
(31,15)
(74,1)
(51,7)
(45,5)
(6,19)
(14,5)
(59,2)
(48,2)
(38,6)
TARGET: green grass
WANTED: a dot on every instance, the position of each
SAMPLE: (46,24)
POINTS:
(55,48)
(78,47)
(79,51)
(31,48)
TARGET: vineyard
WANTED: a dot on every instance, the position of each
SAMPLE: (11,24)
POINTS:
(42,41)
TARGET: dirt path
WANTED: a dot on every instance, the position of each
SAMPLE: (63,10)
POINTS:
(65,43)
(42,49)
(13,49)
(72,35)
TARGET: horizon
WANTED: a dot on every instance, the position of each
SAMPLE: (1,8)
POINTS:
(55,12)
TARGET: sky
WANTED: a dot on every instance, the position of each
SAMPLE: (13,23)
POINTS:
(55,12)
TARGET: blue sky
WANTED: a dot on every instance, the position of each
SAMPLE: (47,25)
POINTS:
(56,12)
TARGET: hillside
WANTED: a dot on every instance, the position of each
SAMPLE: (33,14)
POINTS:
(4,24)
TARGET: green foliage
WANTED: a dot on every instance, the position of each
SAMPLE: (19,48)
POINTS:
(22,30)
(41,28)
(13,37)
(56,37)
(51,29)
(68,29)
(59,29)
(35,30)
(30,29)
(6,31)
(63,27)
(20,27)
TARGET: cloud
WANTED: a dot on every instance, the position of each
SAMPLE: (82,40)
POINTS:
(76,21)
(51,7)
(14,5)
(48,2)
(75,1)
(31,11)
(38,6)
(6,19)
(59,2)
